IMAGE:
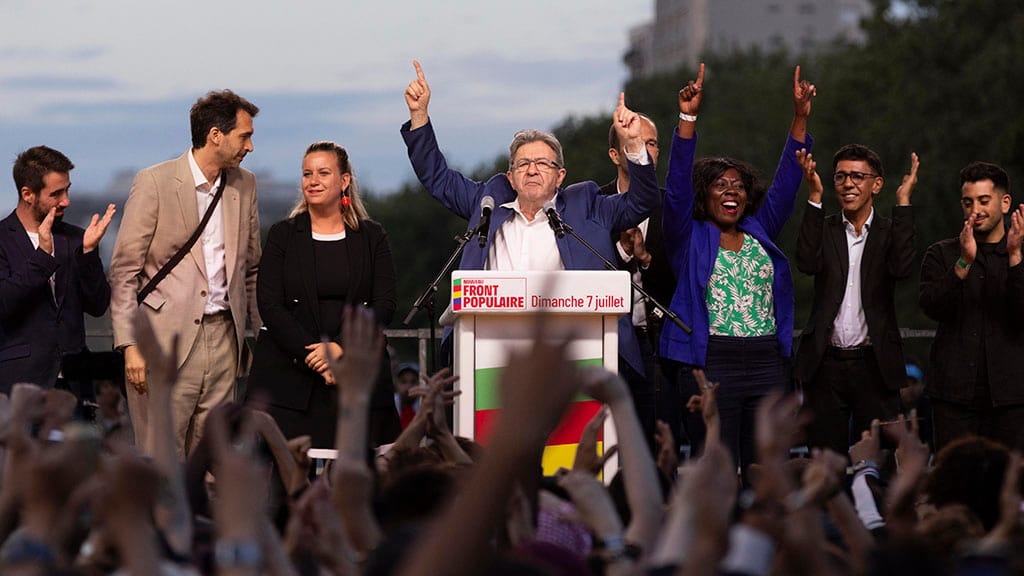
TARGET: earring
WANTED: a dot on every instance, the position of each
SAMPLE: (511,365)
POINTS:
(345,201)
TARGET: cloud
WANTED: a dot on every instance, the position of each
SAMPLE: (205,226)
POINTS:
(63,83)
(79,54)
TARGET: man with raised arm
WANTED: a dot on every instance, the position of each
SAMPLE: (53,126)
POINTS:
(641,252)
(50,273)
(973,286)
(209,294)
(519,237)
(850,360)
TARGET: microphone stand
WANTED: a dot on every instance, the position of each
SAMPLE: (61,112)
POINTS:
(426,298)
(607,264)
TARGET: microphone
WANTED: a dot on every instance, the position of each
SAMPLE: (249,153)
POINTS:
(553,219)
(486,207)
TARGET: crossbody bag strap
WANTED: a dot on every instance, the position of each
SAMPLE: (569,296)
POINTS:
(180,254)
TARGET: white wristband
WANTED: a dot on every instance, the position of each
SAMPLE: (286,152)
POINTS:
(688,117)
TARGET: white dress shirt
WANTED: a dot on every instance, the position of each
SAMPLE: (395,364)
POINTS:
(212,240)
(851,327)
(521,244)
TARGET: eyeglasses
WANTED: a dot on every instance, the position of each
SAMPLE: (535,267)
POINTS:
(543,164)
(721,186)
(856,177)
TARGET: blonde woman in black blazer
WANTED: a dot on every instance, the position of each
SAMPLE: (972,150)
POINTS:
(326,255)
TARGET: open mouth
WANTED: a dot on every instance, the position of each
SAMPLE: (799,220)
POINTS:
(730,207)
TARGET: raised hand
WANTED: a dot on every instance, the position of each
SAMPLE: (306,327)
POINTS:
(417,97)
(692,94)
(163,364)
(586,450)
(667,458)
(968,246)
(866,449)
(604,386)
(1015,235)
(627,125)
(96,229)
(1000,538)
(593,503)
(643,257)
(803,91)
(45,231)
(814,187)
(822,479)
(356,372)
(906,188)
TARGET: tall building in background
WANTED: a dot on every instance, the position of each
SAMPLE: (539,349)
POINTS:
(682,30)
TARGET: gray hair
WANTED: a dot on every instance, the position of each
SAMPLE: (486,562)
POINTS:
(526,136)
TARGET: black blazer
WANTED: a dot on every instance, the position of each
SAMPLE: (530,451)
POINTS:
(287,298)
(888,256)
(38,327)
(658,280)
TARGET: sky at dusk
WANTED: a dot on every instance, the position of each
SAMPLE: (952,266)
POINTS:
(110,82)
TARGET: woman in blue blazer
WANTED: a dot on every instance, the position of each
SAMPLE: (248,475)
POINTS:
(735,287)
(326,255)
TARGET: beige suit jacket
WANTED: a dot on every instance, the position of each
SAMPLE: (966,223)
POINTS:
(159,216)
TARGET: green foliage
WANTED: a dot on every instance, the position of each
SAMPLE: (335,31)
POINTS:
(420,232)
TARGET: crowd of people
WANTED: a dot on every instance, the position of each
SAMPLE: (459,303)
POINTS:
(210,477)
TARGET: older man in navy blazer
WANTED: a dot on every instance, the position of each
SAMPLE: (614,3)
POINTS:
(50,273)
(519,237)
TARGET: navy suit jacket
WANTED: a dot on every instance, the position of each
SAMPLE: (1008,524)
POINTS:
(39,326)
(593,216)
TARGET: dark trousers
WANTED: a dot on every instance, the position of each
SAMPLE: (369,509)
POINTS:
(1004,424)
(644,387)
(847,393)
(747,369)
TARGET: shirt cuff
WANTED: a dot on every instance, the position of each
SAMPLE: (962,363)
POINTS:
(622,252)
(815,204)
(638,158)
(864,501)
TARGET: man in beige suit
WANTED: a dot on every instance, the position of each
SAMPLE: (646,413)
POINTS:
(210,293)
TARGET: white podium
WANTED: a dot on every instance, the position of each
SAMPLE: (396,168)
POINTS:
(495,316)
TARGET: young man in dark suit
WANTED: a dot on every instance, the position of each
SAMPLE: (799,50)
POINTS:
(50,273)
(850,361)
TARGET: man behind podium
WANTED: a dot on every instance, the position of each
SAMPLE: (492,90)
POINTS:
(520,236)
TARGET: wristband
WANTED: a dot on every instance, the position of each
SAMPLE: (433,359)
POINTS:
(238,553)
(865,465)
(960,262)
(613,548)
(687,117)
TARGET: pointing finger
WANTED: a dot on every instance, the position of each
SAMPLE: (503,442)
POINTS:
(700,75)
(419,70)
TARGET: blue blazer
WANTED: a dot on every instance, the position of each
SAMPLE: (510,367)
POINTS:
(593,216)
(37,326)
(692,247)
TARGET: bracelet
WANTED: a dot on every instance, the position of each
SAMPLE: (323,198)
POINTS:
(613,548)
(687,117)
(238,553)
(865,465)
(960,262)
